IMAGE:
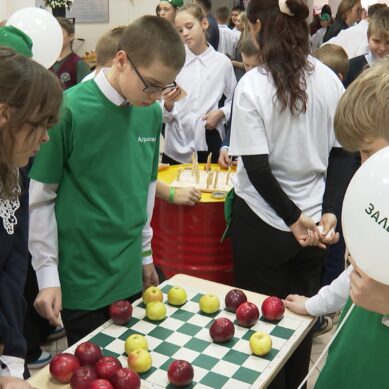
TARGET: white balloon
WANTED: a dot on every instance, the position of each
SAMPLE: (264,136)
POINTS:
(365,216)
(44,31)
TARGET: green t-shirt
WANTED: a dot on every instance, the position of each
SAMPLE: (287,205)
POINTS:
(359,356)
(103,157)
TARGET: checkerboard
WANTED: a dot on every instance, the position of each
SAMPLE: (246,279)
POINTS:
(184,334)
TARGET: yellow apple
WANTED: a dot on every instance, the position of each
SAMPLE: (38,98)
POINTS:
(177,296)
(139,361)
(209,303)
(260,343)
(156,310)
(152,293)
(135,342)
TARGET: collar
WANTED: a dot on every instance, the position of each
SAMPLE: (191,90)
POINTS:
(107,89)
(370,58)
(203,57)
(223,26)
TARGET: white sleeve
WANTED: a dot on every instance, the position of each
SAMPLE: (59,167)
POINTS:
(12,366)
(229,87)
(331,298)
(43,234)
(168,116)
(147,234)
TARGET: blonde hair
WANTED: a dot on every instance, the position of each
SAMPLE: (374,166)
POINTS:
(334,57)
(363,110)
(379,24)
(344,7)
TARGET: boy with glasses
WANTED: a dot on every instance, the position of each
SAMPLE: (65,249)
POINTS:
(93,186)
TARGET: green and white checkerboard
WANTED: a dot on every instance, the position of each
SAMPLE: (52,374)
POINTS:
(184,334)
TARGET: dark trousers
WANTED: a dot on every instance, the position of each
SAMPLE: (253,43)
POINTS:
(36,328)
(271,262)
(214,142)
(79,323)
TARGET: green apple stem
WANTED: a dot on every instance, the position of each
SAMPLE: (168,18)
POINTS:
(328,346)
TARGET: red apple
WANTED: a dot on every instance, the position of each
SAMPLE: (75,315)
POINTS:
(273,309)
(100,384)
(180,373)
(82,377)
(62,367)
(120,312)
(247,314)
(88,353)
(234,298)
(222,330)
(106,366)
(125,379)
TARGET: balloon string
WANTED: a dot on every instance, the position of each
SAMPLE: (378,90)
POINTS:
(327,347)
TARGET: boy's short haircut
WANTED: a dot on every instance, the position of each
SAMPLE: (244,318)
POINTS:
(334,57)
(66,24)
(107,46)
(374,8)
(223,15)
(150,38)
(363,111)
(247,47)
(379,24)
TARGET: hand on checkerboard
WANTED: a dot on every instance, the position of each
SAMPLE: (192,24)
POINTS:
(14,383)
(150,276)
(296,303)
(48,304)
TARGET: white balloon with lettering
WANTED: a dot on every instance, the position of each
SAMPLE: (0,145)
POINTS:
(365,216)
(43,29)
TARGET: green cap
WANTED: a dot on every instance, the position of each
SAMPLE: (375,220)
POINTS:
(16,39)
(175,3)
(325,17)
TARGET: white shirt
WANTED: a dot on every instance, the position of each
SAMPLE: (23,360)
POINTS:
(317,39)
(205,78)
(43,234)
(298,146)
(228,40)
(353,39)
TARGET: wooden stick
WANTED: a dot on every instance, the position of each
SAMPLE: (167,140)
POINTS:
(228,175)
(216,178)
(209,162)
(179,174)
(194,160)
(197,173)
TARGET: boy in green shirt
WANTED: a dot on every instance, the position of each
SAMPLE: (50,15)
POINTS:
(93,185)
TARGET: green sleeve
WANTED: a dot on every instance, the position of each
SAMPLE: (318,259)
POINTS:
(50,161)
(82,70)
(154,173)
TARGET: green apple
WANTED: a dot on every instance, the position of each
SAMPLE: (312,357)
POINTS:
(260,343)
(156,310)
(152,293)
(139,361)
(135,342)
(177,296)
(209,303)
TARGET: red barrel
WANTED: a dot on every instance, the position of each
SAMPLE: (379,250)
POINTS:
(187,240)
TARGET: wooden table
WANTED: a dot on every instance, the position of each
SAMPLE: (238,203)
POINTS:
(300,325)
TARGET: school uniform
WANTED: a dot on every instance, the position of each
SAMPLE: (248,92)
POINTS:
(205,78)
(267,257)
(93,184)
(228,40)
(334,29)
(356,66)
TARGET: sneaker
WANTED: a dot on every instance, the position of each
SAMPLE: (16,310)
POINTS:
(42,361)
(325,324)
(58,333)
(335,317)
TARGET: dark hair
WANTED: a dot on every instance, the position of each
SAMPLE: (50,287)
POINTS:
(223,14)
(326,9)
(149,38)
(34,95)
(66,24)
(284,47)
(206,4)
(374,8)
(107,46)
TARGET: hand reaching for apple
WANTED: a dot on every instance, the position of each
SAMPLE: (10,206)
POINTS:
(48,304)
(14,383)
(150,276)
(296,303)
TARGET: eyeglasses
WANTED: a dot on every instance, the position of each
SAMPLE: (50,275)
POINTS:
(150,89)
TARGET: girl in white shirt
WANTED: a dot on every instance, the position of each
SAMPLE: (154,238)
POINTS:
(282,129)
(195,123)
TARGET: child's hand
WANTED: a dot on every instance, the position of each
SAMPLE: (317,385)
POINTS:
(14,383)
(212,118)
(171,96)
(150,276)
(296,303)
(306,232)
(328,221)
(187,196)
(48,304)
(224,160)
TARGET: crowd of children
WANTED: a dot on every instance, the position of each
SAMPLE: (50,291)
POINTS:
(251,86)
